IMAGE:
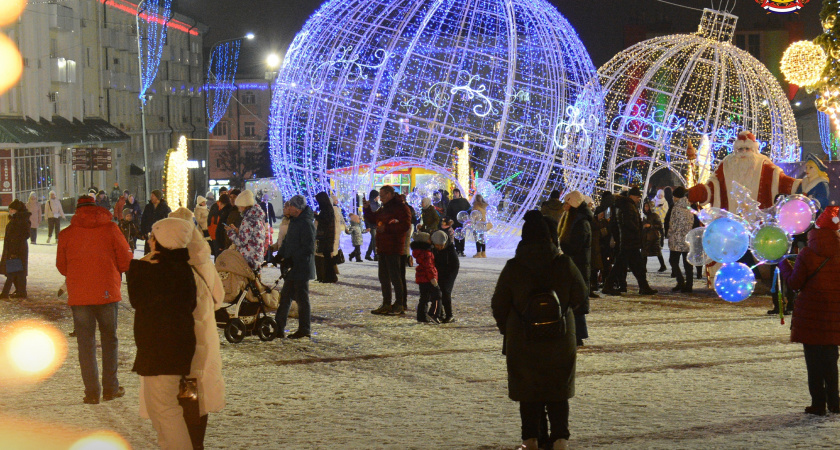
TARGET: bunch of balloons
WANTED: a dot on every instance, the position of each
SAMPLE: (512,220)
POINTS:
(727,237)
(472,228)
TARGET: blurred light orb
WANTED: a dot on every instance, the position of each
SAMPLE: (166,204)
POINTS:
(387,85)
(31,351)
(667,91)
(726,240)
(10,10)
(11,62)
(101,440)
(803,63)
(796,214)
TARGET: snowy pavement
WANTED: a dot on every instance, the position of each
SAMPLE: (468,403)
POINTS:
(659,372)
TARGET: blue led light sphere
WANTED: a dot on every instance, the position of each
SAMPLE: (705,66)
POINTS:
(734,282)
(726,240)
(385,85)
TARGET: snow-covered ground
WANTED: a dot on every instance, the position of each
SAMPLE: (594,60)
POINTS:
(667,371)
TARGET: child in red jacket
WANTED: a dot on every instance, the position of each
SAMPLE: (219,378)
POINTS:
(427,277)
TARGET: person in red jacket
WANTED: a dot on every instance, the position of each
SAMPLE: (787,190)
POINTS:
(428,308)
(815,312)
(392,221)
(92,253)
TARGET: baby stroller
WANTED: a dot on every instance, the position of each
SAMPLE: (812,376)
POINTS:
(248,300)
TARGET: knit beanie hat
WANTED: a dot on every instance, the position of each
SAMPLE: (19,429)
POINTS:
(298,201)
(200,199)
(439,237)
(173,233)
(422,237)
(85,200)
(246,198)
(574,199)
(182,213)
(829,219)
(127,211)
(534,228)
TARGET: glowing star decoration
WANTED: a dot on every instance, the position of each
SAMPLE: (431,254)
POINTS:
(176,175)
(744,205)
(221,78)
(370,83)
(153,18)
(803,63)
(664,92)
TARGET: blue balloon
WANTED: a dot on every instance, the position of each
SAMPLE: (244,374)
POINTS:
(734,282)
(726,240)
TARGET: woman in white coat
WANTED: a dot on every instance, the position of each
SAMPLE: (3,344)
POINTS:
(34,207)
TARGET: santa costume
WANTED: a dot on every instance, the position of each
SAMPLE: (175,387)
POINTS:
(754,171)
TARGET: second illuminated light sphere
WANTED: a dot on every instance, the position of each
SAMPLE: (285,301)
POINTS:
(378,84)
(668,91)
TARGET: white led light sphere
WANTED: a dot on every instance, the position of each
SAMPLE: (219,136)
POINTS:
(665,92)
(392,84)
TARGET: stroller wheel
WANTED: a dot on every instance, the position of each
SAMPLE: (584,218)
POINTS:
(235,331)
(267,329)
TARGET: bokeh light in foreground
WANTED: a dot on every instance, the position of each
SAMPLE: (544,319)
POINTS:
(101,440)
(30,351)
(11,62)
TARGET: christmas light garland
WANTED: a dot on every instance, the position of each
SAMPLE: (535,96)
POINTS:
(221,80)
(154,15)
(668,91)
(371,82)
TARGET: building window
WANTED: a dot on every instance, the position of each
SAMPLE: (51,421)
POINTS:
(250,129)
(751,42)
(33,171)
(221,129)
(248,98)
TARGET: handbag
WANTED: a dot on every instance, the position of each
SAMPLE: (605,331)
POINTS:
(14,265)
(339,257)
(188,399)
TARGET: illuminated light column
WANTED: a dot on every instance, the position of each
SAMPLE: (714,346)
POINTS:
(176,175)
(462,165)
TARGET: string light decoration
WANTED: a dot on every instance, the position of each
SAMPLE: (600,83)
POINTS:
(221,76)
(667,91)
(803,63)
(153,18)
(176,175)
(366,83)
(828,139)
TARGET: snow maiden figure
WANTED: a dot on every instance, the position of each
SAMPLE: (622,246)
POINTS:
(815,183)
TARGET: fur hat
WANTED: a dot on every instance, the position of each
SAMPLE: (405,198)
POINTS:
(426,202)
(298,201)
(439,237)
(127,211)
(246,198)
(422,237)
(634,191)
(173,233)
(18,205)
(85,200)
(745,139)
(574,199)
(829,219)
(182,213)
(200,199)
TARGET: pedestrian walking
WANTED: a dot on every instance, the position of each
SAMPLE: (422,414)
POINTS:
(373,201)
(157,209)
(221,240)
(15,259)
(541,372)
(174,330)
(53,212)
(447,265)
(481,206)
(815,322)
(129,229)
(629,245)
(652,232)
(251,238)
(298,249)
(34,208)
(356,231)
(426,276)
(91,255)
(456,205)
(267,207)
(102,200)
(234,217)
(681,221)
(552,207)
(576,242)
(392,221)
(325,233)
(120,205)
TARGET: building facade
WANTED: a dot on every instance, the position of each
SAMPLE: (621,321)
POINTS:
(80,89)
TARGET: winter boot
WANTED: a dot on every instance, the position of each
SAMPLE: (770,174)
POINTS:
(382,310)
(483,254)
(678,288)
(561,444)
(530,444)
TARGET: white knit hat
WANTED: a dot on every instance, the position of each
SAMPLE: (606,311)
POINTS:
(439,237)
(574,199)
(200,199)
(173,233)
(246,198)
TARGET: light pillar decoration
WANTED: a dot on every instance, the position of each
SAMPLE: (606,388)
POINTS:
(368,83)
(176,175)
(462,166)
(221,79)
(152,21)
(668,91)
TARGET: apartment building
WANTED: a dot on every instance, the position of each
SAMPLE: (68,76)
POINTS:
(80,89)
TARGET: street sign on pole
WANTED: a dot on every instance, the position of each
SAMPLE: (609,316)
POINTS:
(92,159)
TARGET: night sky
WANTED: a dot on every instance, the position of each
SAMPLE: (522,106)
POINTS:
(600,23)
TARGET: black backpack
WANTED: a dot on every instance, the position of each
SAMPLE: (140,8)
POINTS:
(543,318)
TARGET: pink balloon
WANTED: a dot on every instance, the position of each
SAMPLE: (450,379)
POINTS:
(795,216)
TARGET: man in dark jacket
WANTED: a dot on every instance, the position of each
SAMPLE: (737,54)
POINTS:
(552,207)
(392,221)
(373,200)
(157,209)
(456,205)
(629,221)
(298,247)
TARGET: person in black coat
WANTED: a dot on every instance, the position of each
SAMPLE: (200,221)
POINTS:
(267,208)
(629,225)
(298,250)
(576,242)
(325,239)
(447,265)
(221,240)
(456,205)
(15,246)
(157,209)
(163,292)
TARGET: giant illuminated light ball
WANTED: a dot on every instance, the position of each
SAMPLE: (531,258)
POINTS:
(395,84)
(669,91)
